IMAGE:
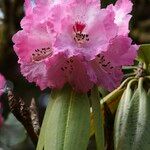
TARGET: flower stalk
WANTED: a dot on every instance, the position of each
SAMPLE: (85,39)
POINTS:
(23,114)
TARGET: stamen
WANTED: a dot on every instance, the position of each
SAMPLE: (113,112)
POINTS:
(80,38)
(103,62)
(79,27)
(62,68)
(67,67)
(42,53)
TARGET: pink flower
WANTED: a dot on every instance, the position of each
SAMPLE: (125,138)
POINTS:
(63,69)
(33,47)
(86,30)
(2,84)
(122,9)
(74,42)
(35,14)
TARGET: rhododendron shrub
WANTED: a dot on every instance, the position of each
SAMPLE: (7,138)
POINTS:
(2,85)
(75,42)
(73,47)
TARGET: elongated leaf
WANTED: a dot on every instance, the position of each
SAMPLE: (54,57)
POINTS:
(92,130)
(121,118)
(41,139)
(68,121)
(77,134)
(135,132)
(112,101)
(129,124)
(142,133)
(113,98)
(98,121)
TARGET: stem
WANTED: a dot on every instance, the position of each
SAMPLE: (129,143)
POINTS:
(129,67)
(22,113)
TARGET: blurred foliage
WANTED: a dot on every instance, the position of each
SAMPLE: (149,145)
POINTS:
(11,12)
(13,135)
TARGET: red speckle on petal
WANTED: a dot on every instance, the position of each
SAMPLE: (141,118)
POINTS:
(79,27)
(42,53)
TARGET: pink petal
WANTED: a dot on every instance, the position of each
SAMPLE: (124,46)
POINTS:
(56,78)
(64,41)
(1,120)
(78,77)
(85,45)
(101,28)
(101,31)
(28,7)
(68,70)
(107,76)
(124,5)
(121,52)
(35,72)
(122,9)
(2,84)
(26,42)
(83,10)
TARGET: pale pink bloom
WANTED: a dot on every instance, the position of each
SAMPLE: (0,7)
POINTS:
(121,52)
(72,70)
(33,47)
(74,42)
(122,10)
(2,84)
(53,11)
(105,69)
(86,30)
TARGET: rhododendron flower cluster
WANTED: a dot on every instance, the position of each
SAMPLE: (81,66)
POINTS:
(74,42)
(2,85)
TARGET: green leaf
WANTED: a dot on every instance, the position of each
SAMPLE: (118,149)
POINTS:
(122,116)
(67,121)
(41,139)
(112,100)
(98,121)
(142,134)
(135,125)
(144,53)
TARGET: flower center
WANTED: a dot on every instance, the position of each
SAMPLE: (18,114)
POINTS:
(40,54)
(80,37)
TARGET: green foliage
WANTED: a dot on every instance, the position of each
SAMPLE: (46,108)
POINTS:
(132,122)
(67,122)
(144,54)
(98,121)
(121,115)
(11,133)
(111,100)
